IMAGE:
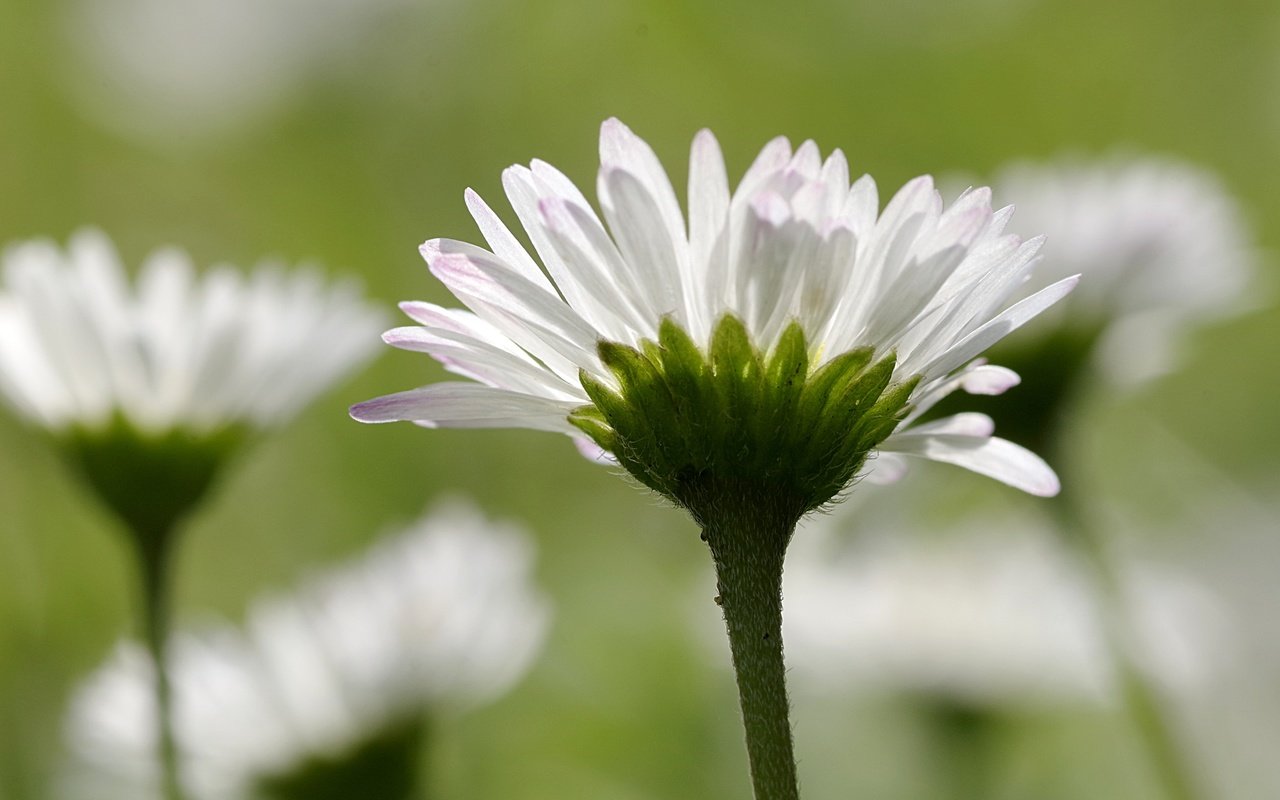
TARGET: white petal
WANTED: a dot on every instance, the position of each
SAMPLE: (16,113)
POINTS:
(458,320)
(464,355)
(990,456)
(503,243)
(542,324)
(885,468)
(27,377)
(968,423)
(708,234)
(773,157)
(861,205)
(977,378)
(606,281)
(989,379)
(621,149)
(469,405)
(646,241)
(835,177)
(1008,321)
(593,286)
(524,195)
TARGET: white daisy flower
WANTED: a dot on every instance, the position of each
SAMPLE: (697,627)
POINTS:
(228,65)
(1164,244)
(987,616)
(441,619)
(80,349)
(673,345)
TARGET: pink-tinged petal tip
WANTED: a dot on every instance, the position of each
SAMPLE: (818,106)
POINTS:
(430,250)
(989,380)
(771,208)
(380,409)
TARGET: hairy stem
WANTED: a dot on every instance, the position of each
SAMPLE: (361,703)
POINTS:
(748,550)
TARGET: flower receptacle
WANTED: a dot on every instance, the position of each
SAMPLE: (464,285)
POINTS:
(734,422)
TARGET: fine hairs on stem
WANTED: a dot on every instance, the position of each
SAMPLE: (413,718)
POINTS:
(748,545)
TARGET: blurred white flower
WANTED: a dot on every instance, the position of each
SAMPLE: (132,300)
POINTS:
(985,615)
(1162,243)
(179,70)
(443,618)
(80,348)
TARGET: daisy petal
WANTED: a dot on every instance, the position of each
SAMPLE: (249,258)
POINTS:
(990,456)
(885,468)
(967,423)
(468,405)
(1002,325)
(503,242)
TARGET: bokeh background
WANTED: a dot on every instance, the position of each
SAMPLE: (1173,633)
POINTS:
(343,132)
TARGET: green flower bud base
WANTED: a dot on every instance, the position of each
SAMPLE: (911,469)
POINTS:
(691,425)
(385,766)
(747,443)
(150,481)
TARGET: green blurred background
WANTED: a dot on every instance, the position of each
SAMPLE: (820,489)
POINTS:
(352,153)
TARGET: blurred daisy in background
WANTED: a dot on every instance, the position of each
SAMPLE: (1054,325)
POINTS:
(80,349)
(199,70)
(1163,242)
(977,627)
(1163,247)
(332,690)
(149,387)
(996,614)
(149,390)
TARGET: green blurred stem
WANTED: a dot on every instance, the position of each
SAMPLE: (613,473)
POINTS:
(748,549)
(963,736)
(1141,695)
(153,564)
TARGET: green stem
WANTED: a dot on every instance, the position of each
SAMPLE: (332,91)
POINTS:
(963,735)
(748,550)
(1141,695)
(154,567)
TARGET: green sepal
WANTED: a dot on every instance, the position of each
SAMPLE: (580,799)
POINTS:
(849,400)
(885,416)
(590,421)
(633,442)
(738,369)
(699,405)
(386,764)
(841,370)
(784,381)
(732,422)
(151,481)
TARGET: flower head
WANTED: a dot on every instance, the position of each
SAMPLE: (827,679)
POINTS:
(148,387)
(81,349)
(346,669)
(786,332)
(1163,242)
(987,615)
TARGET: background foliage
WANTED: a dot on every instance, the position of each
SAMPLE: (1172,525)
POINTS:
(367,153)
